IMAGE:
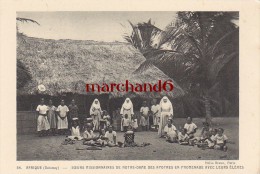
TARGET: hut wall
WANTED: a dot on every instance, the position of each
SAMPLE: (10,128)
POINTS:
(26,122)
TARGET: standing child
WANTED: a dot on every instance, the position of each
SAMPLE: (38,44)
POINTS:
(145,115)
(155,111)
(150,119)
(125,122)
(42,122)
(143,122)
(135,124)
(220,140)
(62,112)
(106,118)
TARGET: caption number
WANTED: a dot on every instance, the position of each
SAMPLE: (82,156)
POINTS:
(18,167)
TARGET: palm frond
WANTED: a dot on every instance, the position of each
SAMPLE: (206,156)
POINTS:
(27,20)
(218,63)
(215,46)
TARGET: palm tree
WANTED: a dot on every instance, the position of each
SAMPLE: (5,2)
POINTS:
(198,45)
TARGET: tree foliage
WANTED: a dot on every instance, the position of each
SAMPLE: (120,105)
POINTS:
(193,49)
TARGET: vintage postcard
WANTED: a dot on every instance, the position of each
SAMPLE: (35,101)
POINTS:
(120,87)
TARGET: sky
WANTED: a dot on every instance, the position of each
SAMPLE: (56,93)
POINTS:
(98,26)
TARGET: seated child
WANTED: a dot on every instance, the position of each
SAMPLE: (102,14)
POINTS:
(88,135)
(191,127)
(210,141)
(170,132)
(101,138)
(220,140)
(183,137)
(75,130)
(110,137)
(125,122)
(202,140)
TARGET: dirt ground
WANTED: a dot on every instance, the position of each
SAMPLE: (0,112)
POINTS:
(31,147)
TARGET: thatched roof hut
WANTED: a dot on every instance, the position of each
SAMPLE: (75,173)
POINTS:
(65,66)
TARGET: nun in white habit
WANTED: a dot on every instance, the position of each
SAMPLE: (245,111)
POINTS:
(127,108)
(165,112)
(95,112)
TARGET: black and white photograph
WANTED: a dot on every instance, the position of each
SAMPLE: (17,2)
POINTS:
(127,85)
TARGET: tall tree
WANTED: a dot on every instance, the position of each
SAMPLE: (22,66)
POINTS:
(198,46)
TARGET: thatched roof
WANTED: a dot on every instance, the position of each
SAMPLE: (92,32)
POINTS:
(65,66)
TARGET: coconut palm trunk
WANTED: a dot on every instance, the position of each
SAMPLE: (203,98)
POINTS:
(207,110)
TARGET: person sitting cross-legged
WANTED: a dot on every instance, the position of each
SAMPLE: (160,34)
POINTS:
(170,132)
(89,138)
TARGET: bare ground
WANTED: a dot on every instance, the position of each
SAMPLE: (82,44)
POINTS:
(31,147)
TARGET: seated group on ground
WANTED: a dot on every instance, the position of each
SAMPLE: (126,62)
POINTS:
(209,138)
(65,121)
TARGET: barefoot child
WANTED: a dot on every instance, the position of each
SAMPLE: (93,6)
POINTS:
(220,140)
(202,140)
(106,118)
(144,116)
(101,138)
(111,137)
(210,140)
(170,132)
(155,111)
(75,131)
(183,137)
(125,122)
(135,124)
(191,127)
(88,135)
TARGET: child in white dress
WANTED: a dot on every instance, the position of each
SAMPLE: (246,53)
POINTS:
(170,132)
(125,122)
(135,124)
(75,131)
(144,121)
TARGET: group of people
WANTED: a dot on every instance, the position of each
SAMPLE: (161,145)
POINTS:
(209,138)
(59,120)
(156,115)
(52,120)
